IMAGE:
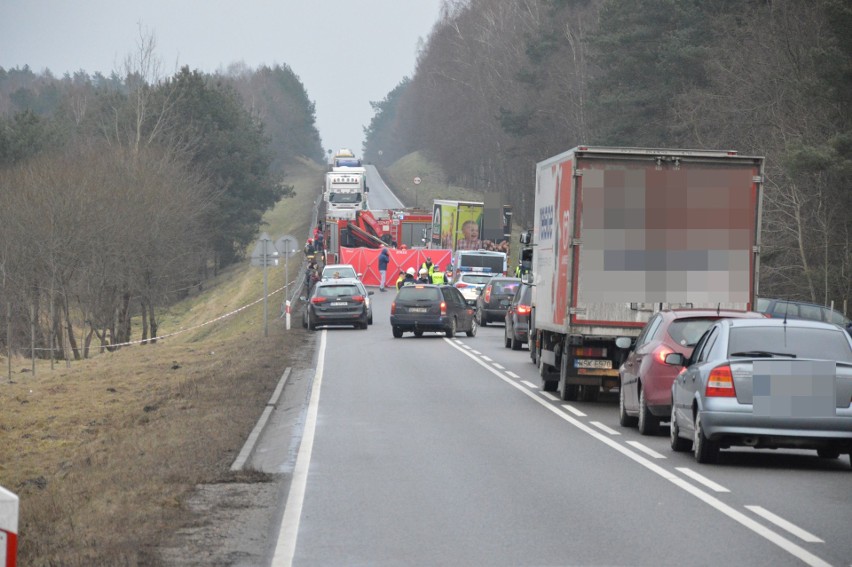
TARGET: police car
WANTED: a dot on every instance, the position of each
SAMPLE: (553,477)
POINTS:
(471,281)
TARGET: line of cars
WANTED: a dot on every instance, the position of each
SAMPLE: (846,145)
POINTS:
(776,377)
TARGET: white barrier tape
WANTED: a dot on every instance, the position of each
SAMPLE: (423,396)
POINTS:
(162,337)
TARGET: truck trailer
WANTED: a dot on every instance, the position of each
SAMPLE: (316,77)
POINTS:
(621,233)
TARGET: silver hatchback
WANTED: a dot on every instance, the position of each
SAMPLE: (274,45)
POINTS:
(764,383)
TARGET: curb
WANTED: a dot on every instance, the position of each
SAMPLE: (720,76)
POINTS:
(248,447)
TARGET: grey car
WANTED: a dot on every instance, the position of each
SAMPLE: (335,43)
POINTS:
(335,302)
(434,308)
(767,384)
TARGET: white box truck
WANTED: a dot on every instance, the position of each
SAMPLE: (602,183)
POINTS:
(621,233)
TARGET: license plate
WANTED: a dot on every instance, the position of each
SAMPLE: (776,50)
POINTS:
(592,363)
(337,303)
(417,310)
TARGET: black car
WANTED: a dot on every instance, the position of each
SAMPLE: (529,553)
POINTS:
(492,303)
(780,308)
(437,308)
(518,318)
(336,302)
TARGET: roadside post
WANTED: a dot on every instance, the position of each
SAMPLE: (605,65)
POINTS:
(287,246)
(263,255)
(8,528)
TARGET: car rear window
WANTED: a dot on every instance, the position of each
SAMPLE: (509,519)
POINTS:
(342,272)
(337,290)
(506,287)
(415,293)
(475,279)
(686,332)
(826,344)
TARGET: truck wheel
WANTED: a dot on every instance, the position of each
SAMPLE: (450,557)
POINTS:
(623,419)
(649,424)
(545,371)
(590,393)
(418,333)
(397,332)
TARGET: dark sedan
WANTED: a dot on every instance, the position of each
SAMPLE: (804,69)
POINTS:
(767,384)
(434,308)
(518,318)
(335,302)
(492,303)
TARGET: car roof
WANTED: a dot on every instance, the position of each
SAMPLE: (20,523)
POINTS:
(683,313)
(505,279)
(779,322)
(337,266)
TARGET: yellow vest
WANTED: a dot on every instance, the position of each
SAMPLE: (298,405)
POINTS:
(437,277)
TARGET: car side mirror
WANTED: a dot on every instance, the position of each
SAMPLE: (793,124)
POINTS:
(471,302)
(675,359)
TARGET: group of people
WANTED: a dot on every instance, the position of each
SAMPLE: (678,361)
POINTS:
(429,274)
(316,245)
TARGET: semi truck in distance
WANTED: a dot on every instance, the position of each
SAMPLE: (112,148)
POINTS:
(621,233)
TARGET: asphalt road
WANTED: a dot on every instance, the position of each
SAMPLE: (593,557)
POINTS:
(432,451)
(380,196)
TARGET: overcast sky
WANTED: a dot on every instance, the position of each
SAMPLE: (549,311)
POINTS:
(346,52)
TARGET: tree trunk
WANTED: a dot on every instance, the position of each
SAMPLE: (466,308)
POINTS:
(152,317)
(144,321)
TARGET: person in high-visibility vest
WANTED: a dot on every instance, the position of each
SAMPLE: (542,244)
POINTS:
(438,277)
(428,265)
(400,279)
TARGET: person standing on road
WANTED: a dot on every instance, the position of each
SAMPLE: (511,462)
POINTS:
(408,279)
(319,244)
(384,259)
(428,265)
(438,277)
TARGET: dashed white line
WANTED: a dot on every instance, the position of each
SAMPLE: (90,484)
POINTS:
(485,358)
(702,479)
(550,396)
(512,374)
(475,351)
(497,365)
(528,384)
(647,450)
(573,410)
(604,428)
(785,525)
(468,347)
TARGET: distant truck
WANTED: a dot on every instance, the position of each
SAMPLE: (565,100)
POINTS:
(345,192)
(621,233)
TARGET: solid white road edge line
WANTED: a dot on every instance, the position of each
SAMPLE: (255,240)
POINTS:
(761,530)
(715,487)
(785,525)
(647,450)
(285,546)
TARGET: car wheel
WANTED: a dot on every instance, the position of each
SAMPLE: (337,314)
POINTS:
(418,333)
(397,332)
(451,330)
(705,451)
(483,320)
(678,443)
(514,343)
(370,320)
(649,424)
(311,325)
(623,419)
(473,327)
(507,342)
(828,453)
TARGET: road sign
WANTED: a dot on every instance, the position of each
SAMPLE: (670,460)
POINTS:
(287,245)
(264,254)
(417,180)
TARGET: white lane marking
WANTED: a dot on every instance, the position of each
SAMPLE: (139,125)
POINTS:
(702,479)
(550,396)
(468,347)
(528,383)
(457,341)
(573,410)
(761,530)
(603,427)
(485,358)
(512,374)
(499,366)
(785,525)
(475,351)
(647,450)
(285,546)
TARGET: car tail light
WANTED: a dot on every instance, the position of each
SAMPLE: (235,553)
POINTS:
(661,352)
(461,285)
(316,300)
(393,307)
(488,294)
(720,384)
(523,309)
(358,298)
(443,308)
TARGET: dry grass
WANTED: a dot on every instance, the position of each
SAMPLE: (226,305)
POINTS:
(433,185)
(104,454)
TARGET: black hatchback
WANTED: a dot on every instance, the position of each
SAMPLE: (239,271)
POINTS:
(492,303)
(335,303)
(436,308)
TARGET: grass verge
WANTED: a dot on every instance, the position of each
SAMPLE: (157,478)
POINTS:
(104,454)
